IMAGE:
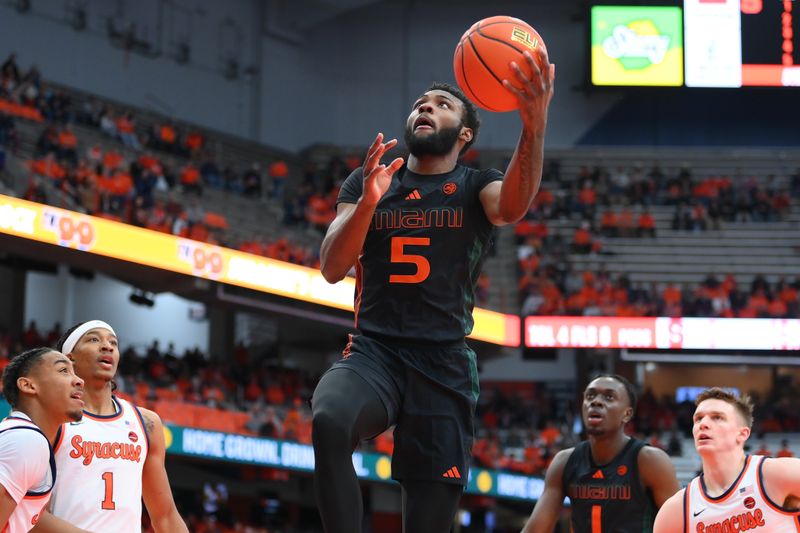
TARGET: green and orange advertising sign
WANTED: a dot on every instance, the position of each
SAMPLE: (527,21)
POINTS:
(637,45)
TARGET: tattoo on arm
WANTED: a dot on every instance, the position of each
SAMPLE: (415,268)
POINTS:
(525,157)
(149,425)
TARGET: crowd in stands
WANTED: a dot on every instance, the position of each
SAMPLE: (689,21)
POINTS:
(134,177)
(609,205)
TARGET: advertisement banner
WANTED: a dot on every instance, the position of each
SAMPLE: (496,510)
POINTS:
(159,250)
(637,45)
(663,333)
(289,455)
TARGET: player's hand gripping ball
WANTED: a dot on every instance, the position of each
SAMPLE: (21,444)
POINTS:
(482,58)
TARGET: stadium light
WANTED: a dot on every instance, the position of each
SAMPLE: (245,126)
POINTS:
(140,297)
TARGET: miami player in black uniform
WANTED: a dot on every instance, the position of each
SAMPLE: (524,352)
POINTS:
(417,234)
(615,483)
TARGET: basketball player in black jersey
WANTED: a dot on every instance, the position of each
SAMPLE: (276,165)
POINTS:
(417,234)
(615,483)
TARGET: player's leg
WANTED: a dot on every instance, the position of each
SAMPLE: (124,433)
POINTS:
(433,436)
(345,410)
(429,506)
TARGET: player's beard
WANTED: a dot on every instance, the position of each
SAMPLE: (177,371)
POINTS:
(76,416)
(437,143)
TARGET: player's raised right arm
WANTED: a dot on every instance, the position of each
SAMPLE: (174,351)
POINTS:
(346,234)
(548,508)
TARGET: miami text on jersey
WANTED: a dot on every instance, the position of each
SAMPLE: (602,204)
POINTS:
(104,450)
(439,217)
(600,492)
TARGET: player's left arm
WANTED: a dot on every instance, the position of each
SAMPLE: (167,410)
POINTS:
(7,506)
(507,202)
(658,474)
(156,492)
(781,478)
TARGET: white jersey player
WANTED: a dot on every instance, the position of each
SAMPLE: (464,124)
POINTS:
(107,454)
(44,392)
(735,492)
(114,458)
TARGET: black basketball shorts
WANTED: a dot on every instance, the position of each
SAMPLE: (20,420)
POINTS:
(430,393)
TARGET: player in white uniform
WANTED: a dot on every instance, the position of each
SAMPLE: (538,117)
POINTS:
(735,492)
(114,457)
(44,392)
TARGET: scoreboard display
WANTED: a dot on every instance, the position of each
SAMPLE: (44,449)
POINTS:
(722,43)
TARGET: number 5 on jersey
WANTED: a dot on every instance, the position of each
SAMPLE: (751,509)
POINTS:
(399,255)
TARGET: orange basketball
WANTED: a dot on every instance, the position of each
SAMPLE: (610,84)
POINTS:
(483,55)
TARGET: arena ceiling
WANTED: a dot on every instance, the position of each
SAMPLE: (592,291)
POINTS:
(302,15)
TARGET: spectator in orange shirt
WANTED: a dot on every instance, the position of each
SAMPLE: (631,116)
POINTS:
(763,450)
(758,302)
(67,144)
(164,137)
(608,223)
(587,198)
(122,185)
(49,167)
(777,308)
(112,160)
(522,230)
(126,129)
(646,225)
(625,221)
(190,179)
(199,232)
(672,298)
(194,143)
(278,172)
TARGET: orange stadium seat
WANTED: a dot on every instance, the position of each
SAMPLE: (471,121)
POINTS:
(216,220)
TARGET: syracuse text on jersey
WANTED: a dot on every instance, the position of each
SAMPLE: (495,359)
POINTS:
(738,522)
(106,450)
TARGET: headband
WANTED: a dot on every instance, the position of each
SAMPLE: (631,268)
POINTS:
(80,331)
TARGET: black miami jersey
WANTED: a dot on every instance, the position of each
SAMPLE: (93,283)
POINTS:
(608,498)
(416,275)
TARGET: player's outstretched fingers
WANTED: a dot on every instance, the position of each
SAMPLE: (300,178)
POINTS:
(374,154)
(394,166)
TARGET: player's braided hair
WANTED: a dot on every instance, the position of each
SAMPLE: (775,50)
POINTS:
(20,366)
(470,118)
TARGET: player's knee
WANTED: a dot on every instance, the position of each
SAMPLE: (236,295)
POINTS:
(329,428)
